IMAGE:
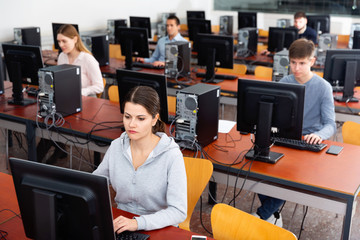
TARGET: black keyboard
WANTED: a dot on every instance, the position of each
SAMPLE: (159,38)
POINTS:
(146,65)
(127,235)
(219,76)
(298,144)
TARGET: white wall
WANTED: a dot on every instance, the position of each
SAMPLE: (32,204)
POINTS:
(92,15)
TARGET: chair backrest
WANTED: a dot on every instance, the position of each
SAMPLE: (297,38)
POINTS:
(171,104)
(229,223)
(264,72)
(198,173)
(351,132)
(237,69)
(113,93)
(99,95)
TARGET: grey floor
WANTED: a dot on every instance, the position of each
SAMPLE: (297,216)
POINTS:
(318,224)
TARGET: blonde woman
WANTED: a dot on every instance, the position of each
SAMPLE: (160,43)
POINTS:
(74,52)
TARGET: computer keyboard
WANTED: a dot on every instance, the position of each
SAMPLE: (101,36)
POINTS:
(127,235)
(146,65)
(298,144)
(218,76)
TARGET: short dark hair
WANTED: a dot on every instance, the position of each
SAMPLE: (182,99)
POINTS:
(302,48)
(149,99)
(173,17)
(299,15)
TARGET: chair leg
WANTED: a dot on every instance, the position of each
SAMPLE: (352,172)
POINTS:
(292,216)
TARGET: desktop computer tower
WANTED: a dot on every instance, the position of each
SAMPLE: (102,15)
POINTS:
(27,36)
(161,30)
(327,41)
(164,16)
(354,27)
(247,42)
(177,59)
(283,23)
(281,65)
(197,109)
(226,25)
(60,90)
(112,24)
(98,45)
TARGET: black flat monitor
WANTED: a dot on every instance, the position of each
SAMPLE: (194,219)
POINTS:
(129,79)
(320,23)
(342,70)
(55,28)
(215,51)
(141,22)
(196,26)
(356,40)
(247,19)
(280,38)
(195,15)
(263,107)
(22,63)
(133,42)
(60,203)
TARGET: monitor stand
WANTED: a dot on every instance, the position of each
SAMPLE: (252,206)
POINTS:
(349,83)
(261,151)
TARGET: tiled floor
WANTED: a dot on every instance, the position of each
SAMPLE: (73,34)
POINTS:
(318,224)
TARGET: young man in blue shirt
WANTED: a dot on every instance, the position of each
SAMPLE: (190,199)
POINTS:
(319,112)
(173,35)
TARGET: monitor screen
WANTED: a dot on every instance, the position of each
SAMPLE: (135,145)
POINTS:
(320,23)
(55,28)
(23,63)
(263,107)
(342,70)
(133,42)
(129,79)
(280,38)
(61,203)
(141,22)
(215,51)
(196,26)
(195,14)
(247,19)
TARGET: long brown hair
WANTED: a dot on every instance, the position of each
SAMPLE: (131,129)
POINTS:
(69,31)
(149,99)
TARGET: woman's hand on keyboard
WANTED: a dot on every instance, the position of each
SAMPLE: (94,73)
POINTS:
(312,138)
(122,224)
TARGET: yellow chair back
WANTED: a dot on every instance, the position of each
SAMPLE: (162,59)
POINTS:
(113,93)
(198,173)
(265,72)
(351,132)
(229,223)
(237,69)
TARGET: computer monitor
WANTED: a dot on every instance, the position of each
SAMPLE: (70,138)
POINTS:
(280,38)
(215,51)
(320,23)
(342,69)
(55,28)
(195,15)
(263,106)
(356,40)
(61,203)
(133,42)
(196,26)
(129,79)
(247,19)
(141,22)
(23,63)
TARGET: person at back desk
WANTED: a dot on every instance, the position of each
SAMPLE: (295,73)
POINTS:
(173,35)
(304,31)
(319,113)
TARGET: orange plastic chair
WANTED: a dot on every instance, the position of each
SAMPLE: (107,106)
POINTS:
(237,69)
(115,51)
(113,93)
(351,132)
(171,104)
(264,72)
(229,223)
(198,173)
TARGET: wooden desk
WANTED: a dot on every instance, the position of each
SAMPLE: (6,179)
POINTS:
(14,227)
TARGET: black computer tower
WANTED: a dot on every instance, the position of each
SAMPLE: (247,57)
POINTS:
(98,45)
(247,42)
(27,36)
(112,25)
(177,59)
(60,90)
(197,109)
(226,25)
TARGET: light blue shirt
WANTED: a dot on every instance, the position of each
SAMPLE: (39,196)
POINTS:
(319,109)
(159,53)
